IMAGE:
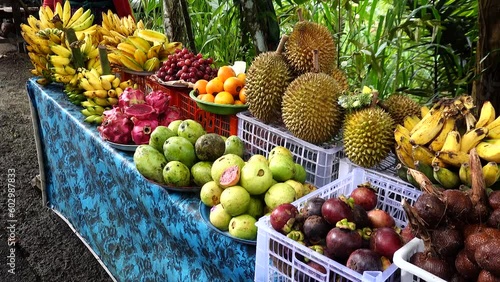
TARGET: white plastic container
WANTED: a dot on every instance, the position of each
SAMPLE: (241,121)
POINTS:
(277,255)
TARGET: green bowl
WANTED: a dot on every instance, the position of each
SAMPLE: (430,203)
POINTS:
(219,109)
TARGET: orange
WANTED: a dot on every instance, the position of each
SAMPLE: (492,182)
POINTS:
(200,96)
(242,95)
(224,98)
(208,98)
(214,86)
(238,102)
(233,85)
(243,77)
(201,86)
(225,72)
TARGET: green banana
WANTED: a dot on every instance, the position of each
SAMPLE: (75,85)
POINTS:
(447,178)
(465,174)
(426,169)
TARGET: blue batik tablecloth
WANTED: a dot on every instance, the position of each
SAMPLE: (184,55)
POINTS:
(139,230)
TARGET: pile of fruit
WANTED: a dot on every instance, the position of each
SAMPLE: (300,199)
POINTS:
(350,230)
(241,192)
(187,66)
(226,88)
(439,143)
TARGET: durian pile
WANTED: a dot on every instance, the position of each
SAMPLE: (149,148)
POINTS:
(299,86)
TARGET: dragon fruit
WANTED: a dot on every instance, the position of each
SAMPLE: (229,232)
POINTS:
(116,127)
(159,100)
(129,97)
(142,130)
(142,112)
(172,113)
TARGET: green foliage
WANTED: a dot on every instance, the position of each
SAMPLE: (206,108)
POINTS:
(151,13)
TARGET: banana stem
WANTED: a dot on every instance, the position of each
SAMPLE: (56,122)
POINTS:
(75,48)
(103,57)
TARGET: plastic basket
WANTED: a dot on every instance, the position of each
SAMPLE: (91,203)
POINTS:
(409,271)
(320,162)
(277,255)
(225,125)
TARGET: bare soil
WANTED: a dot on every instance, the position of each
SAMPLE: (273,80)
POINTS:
(45,248)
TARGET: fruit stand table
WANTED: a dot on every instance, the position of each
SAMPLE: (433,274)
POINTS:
(139,230)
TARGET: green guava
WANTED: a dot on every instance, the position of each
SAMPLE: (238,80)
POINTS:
(243,227)
(219,217)
(176,174)
(279,193)
(282,167)
(149,162)
(159,136)
(191,130)
(279,150)
(256,177)
(209,147)
(201,173)
(225,161)
(178,148)
(174,125)
(256,207)
(300,173)
(308,188)
(235,200)
(234,145)
(258,158)
(210,194)
(297,186)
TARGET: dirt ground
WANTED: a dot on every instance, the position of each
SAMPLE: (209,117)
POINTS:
(45,248)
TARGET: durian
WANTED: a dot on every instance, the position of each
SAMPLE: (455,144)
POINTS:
(305,37)
(368,136)
(266,81)
(399,106)
(341,79)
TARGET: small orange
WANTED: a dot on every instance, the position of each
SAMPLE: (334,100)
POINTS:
(233,85)
(200,96)
(224,98)
(214,86)
(225,72)
(242,95)
(201,86)
(243,77)
(208,98)
(238,102)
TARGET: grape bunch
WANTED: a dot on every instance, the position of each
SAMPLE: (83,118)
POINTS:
(185,65)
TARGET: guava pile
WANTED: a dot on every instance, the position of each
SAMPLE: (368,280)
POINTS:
(242,191)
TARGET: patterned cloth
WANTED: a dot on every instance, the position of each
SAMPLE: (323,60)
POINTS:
(139,230)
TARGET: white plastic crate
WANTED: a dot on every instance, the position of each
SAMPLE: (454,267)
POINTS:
(320,162)
(409,271)
(277,255)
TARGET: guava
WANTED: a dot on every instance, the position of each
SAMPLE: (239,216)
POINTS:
(300,173)
(256,177)
(176,174)
(282,167)
(230,176)
(308,188)
(279,193)
(209,147)
(201,173)
(279,150)
(159,136)
(256,207)
(258,158)
(219,217)
(210,193)
(178,148)
(174,125)
(235,200)
(297,186)
(191,130)
(225,161)
(243,227)
(234,145)
(149,162)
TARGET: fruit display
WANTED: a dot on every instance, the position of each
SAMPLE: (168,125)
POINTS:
(227,88)
(185,65)
(460,229)
(113,29)
(348,229)
(439,143)
(242,191)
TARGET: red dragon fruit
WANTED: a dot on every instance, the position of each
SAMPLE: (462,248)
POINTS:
(142,130)
(116,127)
(142,112)
(171,114)
(159,100)
(129,97)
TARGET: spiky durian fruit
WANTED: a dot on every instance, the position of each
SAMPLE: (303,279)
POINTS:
(368,136)
(305,37)
(340,76)
(399,106)
(266,81)
(310,108)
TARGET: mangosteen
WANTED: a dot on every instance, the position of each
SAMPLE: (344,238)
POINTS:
(312,207)
(283,217)
(385,241)
(315,229)
(342,240)
(365,196)
(364,260)
(334,210)
(360,216)
(380,218)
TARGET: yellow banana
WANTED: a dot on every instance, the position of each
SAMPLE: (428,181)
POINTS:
(95,82)
(454,158)
(101,102)
(452,141)
(82,18)
(60,50)
(88,103)
(118,91)
(491,173)
(112,101)
(58,10)
(120,37)
(447,178)
(438,142)
(140,25)
(494,123)
(112,93)
(402,137)
(410,121)
(140,57)
(424,110)
(404,157)
(488,151)
(465,174)
(427,128)
(472,138)
(57,39)
(422,154)
(66,13)
(494,132)
(62,78)
(76,15)
(438,162)
(59,61)
(84,84)
(125,84)
(139,43)
(152,35)
(87,23)
(487,115)
(96,94)
(108,77)
(106,85)
(492,141)
(116,82)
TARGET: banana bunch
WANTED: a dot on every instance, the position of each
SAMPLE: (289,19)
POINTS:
(103,90)
(75,94)
(93,113)
(143,51)
(114,29)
